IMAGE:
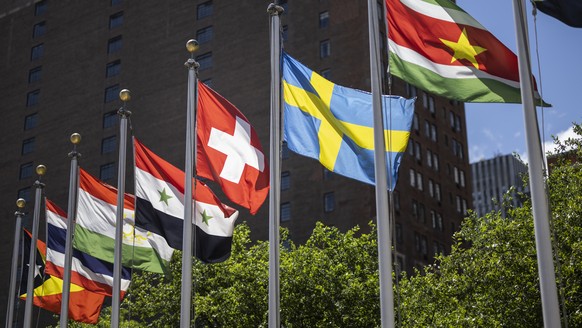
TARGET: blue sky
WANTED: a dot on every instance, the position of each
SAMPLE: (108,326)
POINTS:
(498,128)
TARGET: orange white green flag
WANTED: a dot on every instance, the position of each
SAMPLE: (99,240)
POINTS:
(438,47)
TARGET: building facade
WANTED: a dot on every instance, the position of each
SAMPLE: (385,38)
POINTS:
(492,178)
(63,64)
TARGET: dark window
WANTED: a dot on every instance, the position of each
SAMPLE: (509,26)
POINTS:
(109,119)
(27,146)
(107,171)
(285,34)
(328,202)
(32,98)
(108,145)
(326,73)
(204,35)
(285,212)
(25,171)
(285,153)
(327,174)
(396,196)
(39,29)
(324,19)
(115,2)
(285,180)
(324,49)
(208,82)
(111,93)
(30,121)
(116,20)
(34,74)
(399,233)
(204,10)
(25,194)
(37,51)
(114,44)
(113,68)
(205,61)
(40,8)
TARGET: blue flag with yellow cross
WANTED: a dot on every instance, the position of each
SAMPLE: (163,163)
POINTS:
(334,124)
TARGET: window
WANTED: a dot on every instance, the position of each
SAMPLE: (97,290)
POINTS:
(412,178)
(326,73)
(27,146)
(109,119)
(418,152)
(34,74)
(324,49)
(32,98)
(428,158)
(30,121)
(399,233)
(396,196)
(414,208)
(37,51)
(285,180)
(108,145)
(439,222)
(111,93)
(421,213)
(426,129)
(415,124)
(431,107)
(410,90)
(285,150)
(435,161)
(410,147)
(433,133)
(433,219)
(424,100)
(40,8)
(462,178)
(437,191)
(457,123)
(423,245)
(107,171)
(38,30)
(204,10)
(25,194)
(417,241)
(204,35)
(115,2)
(113,68)
(456,174)
(208,82)
(205,61)
(458,201)
(116,20)
(114,44)
(419,183)
(327,174)
(430,188)
(285,212)
(324,19)
(285,33)
(328,202)
(25,171)
(464,206)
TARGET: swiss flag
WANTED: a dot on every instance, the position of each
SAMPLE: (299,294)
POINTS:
(229,151)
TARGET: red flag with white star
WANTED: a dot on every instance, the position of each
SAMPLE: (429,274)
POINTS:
(229,151)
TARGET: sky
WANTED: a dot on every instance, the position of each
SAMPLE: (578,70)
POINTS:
(498,129)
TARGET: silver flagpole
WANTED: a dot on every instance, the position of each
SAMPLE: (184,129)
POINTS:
(186,290)
(124,113)
(275,159)
(40,170)
(20,203)
(71,210)
(549,292)
(384,243)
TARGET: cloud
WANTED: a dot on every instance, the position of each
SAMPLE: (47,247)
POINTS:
(476,153)
(550,146)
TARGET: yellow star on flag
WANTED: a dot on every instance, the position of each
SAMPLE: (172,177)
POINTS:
(463,49)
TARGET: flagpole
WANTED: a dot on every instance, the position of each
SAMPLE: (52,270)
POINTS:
(186,290)
(384,243)
(124,113)
(20,203)
(40,171)
(539,200)
(72,209)
(275,11)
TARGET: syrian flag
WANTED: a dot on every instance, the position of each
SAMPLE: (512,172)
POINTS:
(86,271)
(229,151)
(159,190)
(95,229)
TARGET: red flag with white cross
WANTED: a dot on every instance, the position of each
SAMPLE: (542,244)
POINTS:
(229,151)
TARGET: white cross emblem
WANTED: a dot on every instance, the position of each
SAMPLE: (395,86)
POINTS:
(238,150)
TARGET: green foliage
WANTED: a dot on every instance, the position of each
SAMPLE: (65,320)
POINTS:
(490,278)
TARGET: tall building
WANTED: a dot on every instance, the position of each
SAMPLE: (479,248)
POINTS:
(63,64)
(492,178)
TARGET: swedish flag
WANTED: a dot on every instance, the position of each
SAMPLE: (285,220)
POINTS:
(334,124)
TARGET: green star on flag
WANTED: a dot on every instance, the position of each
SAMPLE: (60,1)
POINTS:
(205,217)
(164,197)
